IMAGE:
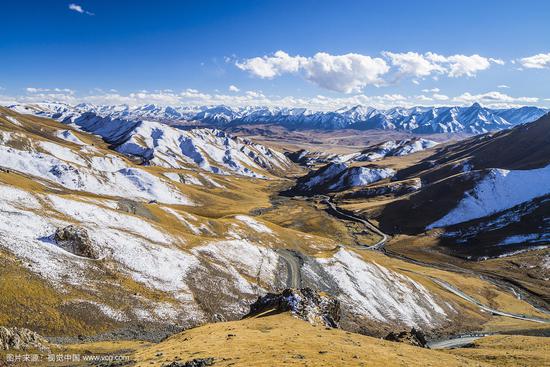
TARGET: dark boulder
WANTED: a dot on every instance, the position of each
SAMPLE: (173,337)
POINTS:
(309,305)
(412,337)
(197,362)
(77,241)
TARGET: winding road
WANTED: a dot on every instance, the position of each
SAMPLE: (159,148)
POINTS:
(384,237)
(380,246)
(486,308)
(455,342)
(293,265)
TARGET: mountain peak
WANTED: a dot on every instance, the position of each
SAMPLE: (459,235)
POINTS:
(473,119)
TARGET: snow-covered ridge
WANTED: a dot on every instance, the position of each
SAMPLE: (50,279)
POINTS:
(365,286)
(339,176)
(474,119)
(390,148)
(498,190)
(103,175)
(393,148)
(159,144)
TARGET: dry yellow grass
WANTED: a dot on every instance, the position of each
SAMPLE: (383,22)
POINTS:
(282,340)
(508,350)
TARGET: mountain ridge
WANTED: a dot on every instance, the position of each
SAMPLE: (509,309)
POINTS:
(474,119)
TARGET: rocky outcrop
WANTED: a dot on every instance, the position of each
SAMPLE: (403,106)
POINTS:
(77,241)
(197,362)
(412,337)
(21,339)
(309,305)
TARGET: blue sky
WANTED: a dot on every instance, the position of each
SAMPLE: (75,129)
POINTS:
(333,53)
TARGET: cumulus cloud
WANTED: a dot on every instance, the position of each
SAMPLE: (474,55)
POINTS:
(412,63)
(233,88)
(539,61)
(194,97)
(462,65)
(440,97)
(493,99)
(49,90)
(433,90)
(79,9)
(342,73)
(423,65)
(270,66)
(351,73)
(502,86)
(345,73)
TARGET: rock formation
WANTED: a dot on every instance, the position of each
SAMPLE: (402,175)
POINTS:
(305,303)
(21,339)
(76,240)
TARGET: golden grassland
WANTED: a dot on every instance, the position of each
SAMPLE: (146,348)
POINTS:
(282,340)
(508,350)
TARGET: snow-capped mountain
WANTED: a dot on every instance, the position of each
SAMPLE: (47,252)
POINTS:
(158,144)
(474,119)
(489,194)
(165,146)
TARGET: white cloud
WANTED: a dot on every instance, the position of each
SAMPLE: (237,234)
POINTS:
(430,63)
(433,90)
(539,61)
(193,97)
(353,72)
(342,73)
(440,97)
(345,73)
(462,65)
(233,88)
(79,9)
(497,61)
(494,99)
(414,64)
(271,66)
(503,86)
(49,90)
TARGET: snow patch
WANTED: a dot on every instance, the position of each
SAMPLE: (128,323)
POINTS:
(126,182)
(254,224)
(69,136)
(380,293)
(499,190)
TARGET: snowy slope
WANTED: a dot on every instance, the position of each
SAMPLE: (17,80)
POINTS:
(393,148)
(360,176)
(339,176)
(366,286)
(159,144)
(104,175)
(499,190)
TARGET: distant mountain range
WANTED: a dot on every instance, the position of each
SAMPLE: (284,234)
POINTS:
(474,119)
